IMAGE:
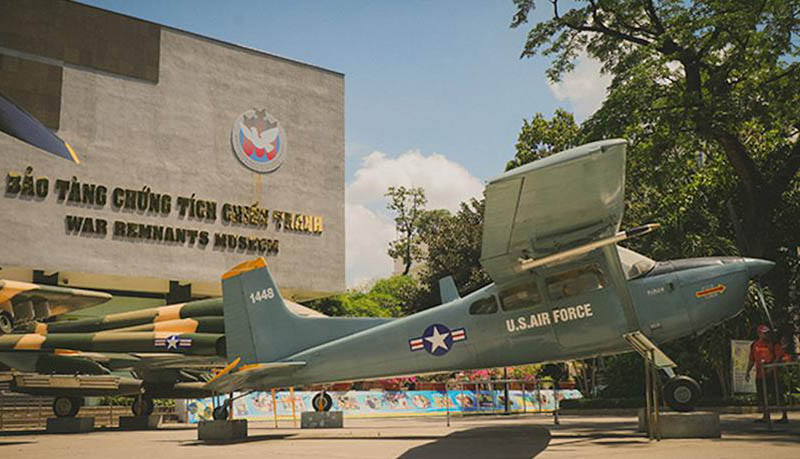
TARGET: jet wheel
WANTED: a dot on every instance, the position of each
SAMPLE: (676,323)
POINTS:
(682,393)
(142,406)
(322,402)
(221,412)
(6,323)
(67,407)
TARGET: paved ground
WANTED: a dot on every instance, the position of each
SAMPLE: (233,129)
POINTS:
(472,437)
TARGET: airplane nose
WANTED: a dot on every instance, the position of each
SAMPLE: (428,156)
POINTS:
(757,266)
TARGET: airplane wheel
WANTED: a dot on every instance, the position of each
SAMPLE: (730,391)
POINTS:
(322,402)
(6,323)
(67,407)
(221,412)
(142,406)
(682,393)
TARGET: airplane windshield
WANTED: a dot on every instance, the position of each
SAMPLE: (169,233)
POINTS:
(634,264)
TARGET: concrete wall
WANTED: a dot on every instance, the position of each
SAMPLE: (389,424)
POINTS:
(174,137)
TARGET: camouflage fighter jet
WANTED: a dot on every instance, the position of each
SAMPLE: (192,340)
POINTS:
(563,289)
(162,352)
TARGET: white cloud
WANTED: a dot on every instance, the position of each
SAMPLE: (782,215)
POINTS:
(584,87)
(446,183)
(369,225)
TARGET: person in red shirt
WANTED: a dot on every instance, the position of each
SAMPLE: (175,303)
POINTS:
(764,351)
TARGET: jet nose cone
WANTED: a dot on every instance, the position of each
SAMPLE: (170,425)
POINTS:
(757,266)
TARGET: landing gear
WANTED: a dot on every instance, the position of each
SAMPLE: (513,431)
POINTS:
(67,407)
(142,406)
(6,323)
(682,393)
(221,412)
(322,402)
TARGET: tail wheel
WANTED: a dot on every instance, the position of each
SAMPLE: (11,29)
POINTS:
(682,393)
(6,323)
(322,402)
(67,407)
(142,406)
(221,412)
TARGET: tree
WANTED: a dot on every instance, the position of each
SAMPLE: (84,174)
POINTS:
(386,298)
(453,248)
(540,138)
(718,76)
(408,205)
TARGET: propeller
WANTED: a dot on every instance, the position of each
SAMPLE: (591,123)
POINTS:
(760,296)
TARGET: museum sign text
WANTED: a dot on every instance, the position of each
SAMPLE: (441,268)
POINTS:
(146,201)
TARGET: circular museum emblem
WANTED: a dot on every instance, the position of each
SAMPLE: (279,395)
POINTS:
(258,140)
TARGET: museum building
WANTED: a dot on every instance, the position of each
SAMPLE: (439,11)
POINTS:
(194,154)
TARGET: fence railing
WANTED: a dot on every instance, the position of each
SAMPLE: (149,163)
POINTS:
(783,398)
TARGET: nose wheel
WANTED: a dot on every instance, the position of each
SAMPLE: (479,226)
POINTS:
(682,393)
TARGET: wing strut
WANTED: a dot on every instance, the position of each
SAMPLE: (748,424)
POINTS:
(529,263)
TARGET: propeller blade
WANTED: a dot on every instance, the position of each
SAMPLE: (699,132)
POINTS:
(760,295)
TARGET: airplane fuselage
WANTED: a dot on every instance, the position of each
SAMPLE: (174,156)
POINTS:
(538,320)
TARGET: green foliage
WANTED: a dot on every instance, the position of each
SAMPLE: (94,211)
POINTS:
(453,249)
(408,204)
(540,138)
(386,298)
(715,78)
(705,93)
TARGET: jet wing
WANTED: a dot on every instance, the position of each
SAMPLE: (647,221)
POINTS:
(551,205)
(255,376)
(59,299)
(17,122)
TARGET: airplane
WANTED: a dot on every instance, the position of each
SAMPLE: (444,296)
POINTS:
(563,290)
(161,352)
(24,302)
(17,122)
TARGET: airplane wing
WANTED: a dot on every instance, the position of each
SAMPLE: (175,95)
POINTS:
(17,122)
(59,299)
(252,376)
(554,204)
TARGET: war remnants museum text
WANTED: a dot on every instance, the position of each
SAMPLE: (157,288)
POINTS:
(147,201)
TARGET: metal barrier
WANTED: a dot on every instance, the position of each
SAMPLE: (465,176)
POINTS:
(793,368)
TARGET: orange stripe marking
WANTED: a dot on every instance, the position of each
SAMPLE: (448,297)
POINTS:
(719,288)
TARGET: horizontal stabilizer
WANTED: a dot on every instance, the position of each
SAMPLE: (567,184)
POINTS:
(250,376)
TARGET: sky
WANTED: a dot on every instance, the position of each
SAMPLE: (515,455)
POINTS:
(435,92)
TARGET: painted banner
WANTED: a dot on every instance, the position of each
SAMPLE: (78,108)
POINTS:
(258,405)
(740,356)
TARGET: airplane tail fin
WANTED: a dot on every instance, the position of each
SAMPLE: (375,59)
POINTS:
(260,328)
(254,312)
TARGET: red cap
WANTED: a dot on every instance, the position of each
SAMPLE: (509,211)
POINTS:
(762,329)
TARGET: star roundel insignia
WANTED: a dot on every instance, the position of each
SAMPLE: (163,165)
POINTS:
(437,339)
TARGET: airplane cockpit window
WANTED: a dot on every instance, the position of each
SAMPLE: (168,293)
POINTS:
(575,282)
(634,264)
(520,297)
(484,306)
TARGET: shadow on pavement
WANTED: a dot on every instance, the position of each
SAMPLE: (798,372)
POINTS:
(515,441)
(12,443)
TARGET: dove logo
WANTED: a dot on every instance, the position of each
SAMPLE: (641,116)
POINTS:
(258,140)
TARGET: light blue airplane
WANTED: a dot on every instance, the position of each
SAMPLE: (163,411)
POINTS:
(563,289)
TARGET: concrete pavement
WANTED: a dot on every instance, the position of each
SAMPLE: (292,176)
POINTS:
(470,437)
